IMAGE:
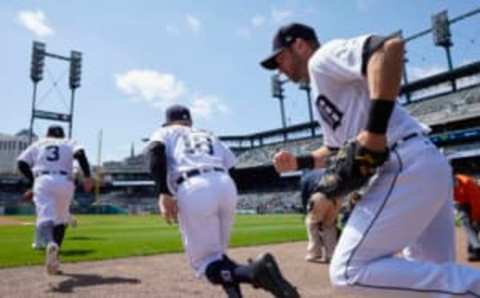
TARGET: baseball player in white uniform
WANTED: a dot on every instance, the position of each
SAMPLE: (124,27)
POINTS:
(47,164)
(190,167)
(407,203)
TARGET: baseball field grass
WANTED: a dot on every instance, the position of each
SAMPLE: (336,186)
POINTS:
(106,237)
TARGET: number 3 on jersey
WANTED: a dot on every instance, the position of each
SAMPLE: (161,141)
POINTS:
(197,144)
(53,153)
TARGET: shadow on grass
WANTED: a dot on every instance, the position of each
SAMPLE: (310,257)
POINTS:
(75,252)
(81,238)
(89,280)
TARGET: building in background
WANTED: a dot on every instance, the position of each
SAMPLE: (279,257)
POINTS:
(10,147)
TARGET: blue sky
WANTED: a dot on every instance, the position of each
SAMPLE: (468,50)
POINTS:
(140,56)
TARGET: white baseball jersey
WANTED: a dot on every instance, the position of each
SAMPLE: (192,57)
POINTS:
(406,207)
(207,201)
(50,154)
(341,98)
(190,148)
(51,160)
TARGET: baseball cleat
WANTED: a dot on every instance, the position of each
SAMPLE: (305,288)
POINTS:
(37,246)
(52,264)
(313,258)
(267,275)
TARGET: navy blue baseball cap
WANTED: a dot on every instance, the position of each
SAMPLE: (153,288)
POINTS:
(177,113)
(55,131)
(284,37)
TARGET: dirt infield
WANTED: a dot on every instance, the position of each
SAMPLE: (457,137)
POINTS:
(9,220)
(165,276)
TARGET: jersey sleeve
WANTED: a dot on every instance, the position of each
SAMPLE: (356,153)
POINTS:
(28,155)
(341,59)
(159,135)
(229,159)
(76,146)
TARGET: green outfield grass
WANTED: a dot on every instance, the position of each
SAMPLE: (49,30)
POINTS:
(105,237)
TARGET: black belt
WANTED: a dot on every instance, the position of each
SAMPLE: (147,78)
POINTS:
(64,173)
(404,139)
(196,172)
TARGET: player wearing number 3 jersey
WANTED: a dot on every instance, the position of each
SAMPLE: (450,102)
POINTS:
(48,164)
(190,168)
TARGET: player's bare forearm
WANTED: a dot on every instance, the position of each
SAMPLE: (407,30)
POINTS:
(384,70)
(320,156)
(384,74)
(284,161)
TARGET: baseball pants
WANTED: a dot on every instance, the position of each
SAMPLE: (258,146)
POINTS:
(407,208)
(206,208)
(52,197)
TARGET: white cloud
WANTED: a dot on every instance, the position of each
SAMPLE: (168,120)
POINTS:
(207,106)
(258,21)
(158,89)
(193,23)
(35,21)
(280,15)
(162,89)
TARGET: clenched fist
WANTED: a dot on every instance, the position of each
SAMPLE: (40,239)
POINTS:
(284,161)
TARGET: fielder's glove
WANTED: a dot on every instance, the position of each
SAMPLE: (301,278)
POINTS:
(349,170)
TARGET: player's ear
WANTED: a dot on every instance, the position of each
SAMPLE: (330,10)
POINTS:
(299,46)
(296,44)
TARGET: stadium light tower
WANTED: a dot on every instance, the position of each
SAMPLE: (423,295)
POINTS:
(442,37)
(38,61)
(74,81)
(39,53)
(277,92)
(36,74)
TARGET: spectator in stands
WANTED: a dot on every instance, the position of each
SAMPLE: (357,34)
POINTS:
(467,203)
(320,221)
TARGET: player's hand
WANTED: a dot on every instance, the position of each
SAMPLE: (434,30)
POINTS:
(284,161)
(372,141)
(28,195)
(168,208)
(88,184)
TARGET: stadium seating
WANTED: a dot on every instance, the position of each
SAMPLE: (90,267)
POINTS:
(449,107)
(271,202)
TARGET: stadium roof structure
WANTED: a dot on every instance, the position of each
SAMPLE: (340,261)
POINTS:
(464,154)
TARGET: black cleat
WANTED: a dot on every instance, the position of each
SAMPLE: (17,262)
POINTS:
(267,275)
(233,291)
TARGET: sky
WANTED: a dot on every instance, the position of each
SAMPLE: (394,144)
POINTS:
(142,56)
